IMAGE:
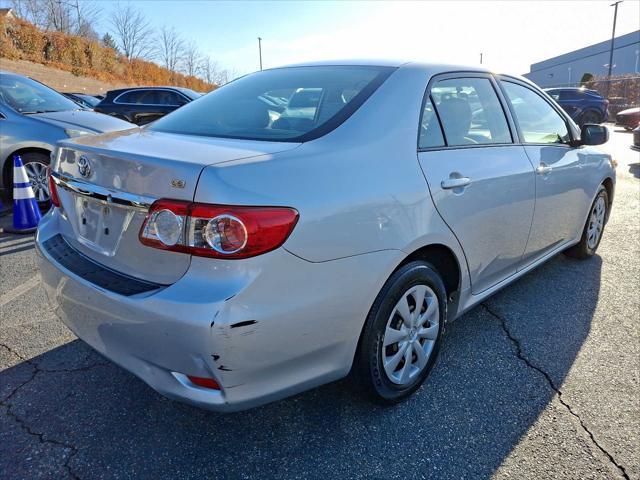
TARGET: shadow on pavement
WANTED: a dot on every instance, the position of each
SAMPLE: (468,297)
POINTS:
(478,403)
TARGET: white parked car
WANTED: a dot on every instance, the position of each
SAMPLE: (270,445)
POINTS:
(229,258)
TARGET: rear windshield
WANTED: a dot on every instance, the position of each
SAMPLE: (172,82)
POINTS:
(287,104)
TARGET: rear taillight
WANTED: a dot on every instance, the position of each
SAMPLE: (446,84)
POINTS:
(53,191)
(219,231)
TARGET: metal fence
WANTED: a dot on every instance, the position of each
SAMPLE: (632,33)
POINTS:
(622,92)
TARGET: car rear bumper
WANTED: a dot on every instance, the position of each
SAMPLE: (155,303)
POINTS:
(263,328)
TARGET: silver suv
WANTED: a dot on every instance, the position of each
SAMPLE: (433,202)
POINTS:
(33,118)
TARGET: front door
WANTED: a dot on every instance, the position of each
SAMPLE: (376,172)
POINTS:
(560,176)
(482,184)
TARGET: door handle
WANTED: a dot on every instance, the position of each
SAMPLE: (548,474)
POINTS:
(455,183)
(543,169)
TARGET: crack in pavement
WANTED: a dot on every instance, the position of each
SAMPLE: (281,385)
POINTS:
(23,423)
(527,362)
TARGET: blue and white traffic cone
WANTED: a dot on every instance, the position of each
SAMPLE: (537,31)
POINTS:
(26,213)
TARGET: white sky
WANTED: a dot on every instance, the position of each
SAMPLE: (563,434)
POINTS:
(511,34)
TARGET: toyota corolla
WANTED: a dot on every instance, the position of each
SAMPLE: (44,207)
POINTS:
(232,253)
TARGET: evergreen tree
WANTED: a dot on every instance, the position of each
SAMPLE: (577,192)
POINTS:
(108,41)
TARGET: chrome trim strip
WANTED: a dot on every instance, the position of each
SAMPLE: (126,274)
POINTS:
(102,194)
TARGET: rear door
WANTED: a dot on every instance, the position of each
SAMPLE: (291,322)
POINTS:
(560,171)
(482,184)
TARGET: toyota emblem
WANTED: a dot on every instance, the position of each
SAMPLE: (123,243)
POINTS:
(84,167)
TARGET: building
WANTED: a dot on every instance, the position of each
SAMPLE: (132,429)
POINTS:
(567,69)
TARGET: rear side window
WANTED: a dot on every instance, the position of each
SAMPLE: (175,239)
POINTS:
(538,121)
(470,112)
(135,96)
(570,95)
(430,132)
(285,104)
(126,97)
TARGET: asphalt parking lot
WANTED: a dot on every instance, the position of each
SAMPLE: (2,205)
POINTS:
(541,381)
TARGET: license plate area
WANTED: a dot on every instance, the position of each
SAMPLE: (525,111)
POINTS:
(100,224)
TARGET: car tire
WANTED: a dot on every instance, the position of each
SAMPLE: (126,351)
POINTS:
(36,165)
(387,334)
(590,116)
(598,215)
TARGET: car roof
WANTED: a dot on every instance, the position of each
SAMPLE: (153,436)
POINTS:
(154,87)
(571,89)
(432,67)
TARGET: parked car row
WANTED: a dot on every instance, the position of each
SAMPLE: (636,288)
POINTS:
(34,117)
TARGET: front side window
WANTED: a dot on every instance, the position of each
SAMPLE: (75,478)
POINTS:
(167,97)
(537,120)
(285,104)
(133,96)
(470,112)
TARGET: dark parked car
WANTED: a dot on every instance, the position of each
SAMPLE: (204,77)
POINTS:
(636,138)
(583,105)
(142,105)
(628,118)
(82,99)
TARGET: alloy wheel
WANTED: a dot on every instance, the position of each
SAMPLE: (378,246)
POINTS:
(596,223)
(37,174)
(410,334)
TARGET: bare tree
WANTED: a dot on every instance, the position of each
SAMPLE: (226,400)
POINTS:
(169,48)
(212,73)
(58,15)
(132,31)
(192,59)
(69,16)
(87,14)
(31,11)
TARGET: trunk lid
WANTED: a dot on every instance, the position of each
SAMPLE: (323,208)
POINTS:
(110,179)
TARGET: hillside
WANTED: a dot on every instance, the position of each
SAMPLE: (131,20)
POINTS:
(94,65)
(58,79)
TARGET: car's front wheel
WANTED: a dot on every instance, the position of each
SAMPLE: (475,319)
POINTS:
(36,164)
(402,334)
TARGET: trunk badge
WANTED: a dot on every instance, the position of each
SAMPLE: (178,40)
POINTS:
(177,183)
(84,167)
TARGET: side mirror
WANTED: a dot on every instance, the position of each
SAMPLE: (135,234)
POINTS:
(594,134)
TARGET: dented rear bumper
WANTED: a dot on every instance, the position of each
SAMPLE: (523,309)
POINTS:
(263,328)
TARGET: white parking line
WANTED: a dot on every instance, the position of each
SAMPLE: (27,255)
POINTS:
(19,290)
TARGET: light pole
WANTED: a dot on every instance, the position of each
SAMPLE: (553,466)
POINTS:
(260,50)
(480,58)
(613,36)
(569,68)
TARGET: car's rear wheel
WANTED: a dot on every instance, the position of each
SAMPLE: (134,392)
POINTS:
(590,116)
(402,334)
(36,164)
(594,227)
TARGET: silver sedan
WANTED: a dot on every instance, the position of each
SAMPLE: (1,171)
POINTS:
(33,118)
(305,222)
